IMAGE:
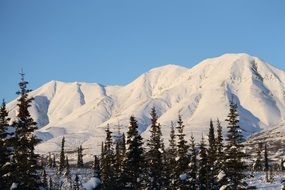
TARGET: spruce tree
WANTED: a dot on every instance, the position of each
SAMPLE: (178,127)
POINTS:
(96,167)
(62,156)
(107,162)
(120,151)
(134,160)
(155,155)
(266,163)
(67,166)
(45,182)
(234,164)
(80,157)
(193,168)
(220,155)
(26,167)
(183,157)
(219,144)
(212,158)
(258,159)
(5,150)
(203,167)
(76,183)
(170,158)
(49,160)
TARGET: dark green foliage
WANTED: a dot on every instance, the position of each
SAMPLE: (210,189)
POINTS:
(76,183)
(53,161)
(182,155)
(134,160)
(50,160)
(96,167)
(155,169)
(62,156)
(80,163)
(120,150)
(45,182)
(219,144)
(234,165)
(266,162)
(170,159)
(193,168)
(220,154)
(5,150)
(258,165)
(24,141)
(67,166)
(203,167)
(107,162)
(212,158)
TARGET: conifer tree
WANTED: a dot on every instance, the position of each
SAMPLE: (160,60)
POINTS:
(234,164)
(155,155)
(49,160)
(170,158)
(203,167)
(62,156)
(212,158)
(67,166)
(266,163)
(119,157)
(80,157)
(96,167)
(107,162)
(76,183)
(220,155)
(134,160)
(258,160)
(45,182)
(193,168)
(5,151)
(219,144)
(24,141)
(53,161)
(182,155)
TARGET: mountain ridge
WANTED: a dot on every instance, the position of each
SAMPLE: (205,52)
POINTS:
(80,110)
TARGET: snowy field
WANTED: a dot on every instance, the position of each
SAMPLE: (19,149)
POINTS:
(259,181)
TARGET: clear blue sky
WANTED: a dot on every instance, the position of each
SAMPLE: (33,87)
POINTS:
(112,42)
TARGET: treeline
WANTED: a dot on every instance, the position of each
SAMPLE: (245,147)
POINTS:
(127,161)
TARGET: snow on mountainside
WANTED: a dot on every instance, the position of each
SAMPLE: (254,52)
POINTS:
(81,111)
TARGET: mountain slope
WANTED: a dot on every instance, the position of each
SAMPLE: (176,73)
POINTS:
(81,111)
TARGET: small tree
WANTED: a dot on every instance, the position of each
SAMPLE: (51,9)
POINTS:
(182,156)
(170,158)
(193,168)
(107,162)
(62,156)
(258,160)
(212,158)
(80,157)
(203,167)
(155,154)
(266,163)
(5,151)
(134,160)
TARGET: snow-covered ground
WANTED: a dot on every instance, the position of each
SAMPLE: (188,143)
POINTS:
(80,111)
(259,181)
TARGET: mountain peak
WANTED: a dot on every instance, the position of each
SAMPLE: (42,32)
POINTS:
(82,110)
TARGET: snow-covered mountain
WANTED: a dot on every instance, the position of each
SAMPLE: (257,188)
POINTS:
(80,111)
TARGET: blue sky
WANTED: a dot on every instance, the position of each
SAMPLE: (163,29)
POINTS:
(112,42)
